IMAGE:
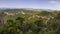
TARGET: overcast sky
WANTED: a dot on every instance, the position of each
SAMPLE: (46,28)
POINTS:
(41,4)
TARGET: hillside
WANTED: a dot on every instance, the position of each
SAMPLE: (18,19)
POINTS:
(28,21)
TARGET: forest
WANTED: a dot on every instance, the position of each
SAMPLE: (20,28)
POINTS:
(24,21)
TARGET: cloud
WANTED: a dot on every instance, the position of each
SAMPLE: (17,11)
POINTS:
(51,1)
(55,3)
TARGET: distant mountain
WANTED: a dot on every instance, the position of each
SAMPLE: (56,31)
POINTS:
(4,8)
(15,9)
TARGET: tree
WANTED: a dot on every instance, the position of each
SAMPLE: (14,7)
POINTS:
(2,15)
(10,27)
(20,20)
(45,13)
(39,22)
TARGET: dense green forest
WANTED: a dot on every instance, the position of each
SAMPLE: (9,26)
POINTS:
(23,21)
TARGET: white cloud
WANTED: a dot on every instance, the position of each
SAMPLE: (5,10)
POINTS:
(52,1)
(55,3)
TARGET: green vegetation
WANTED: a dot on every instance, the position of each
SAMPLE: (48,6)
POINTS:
(20,21)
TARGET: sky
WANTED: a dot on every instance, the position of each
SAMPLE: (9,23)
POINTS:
(36,4)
